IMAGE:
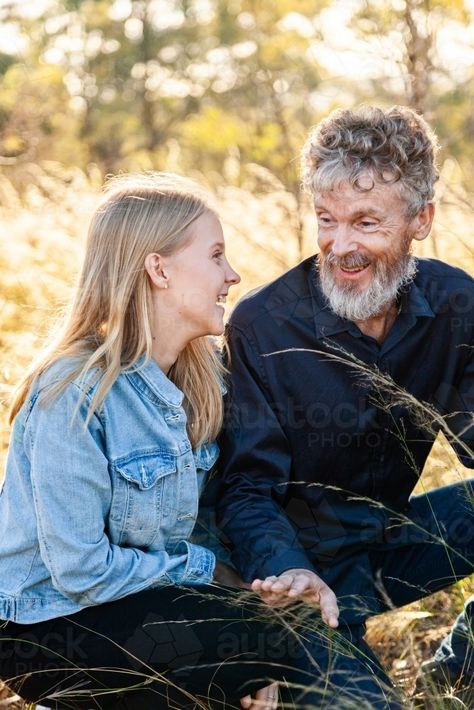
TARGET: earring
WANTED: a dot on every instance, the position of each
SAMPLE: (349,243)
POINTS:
(166,285)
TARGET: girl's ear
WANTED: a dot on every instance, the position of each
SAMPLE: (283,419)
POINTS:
(423,221)
(155,268)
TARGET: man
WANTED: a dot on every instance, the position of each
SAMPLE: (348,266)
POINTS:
(343,371)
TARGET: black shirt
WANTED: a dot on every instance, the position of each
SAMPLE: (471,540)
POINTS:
(327,431)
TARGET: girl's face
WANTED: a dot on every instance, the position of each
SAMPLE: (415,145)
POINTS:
(199,278)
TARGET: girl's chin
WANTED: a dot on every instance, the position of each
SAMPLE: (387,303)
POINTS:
(217,327)
(218,331)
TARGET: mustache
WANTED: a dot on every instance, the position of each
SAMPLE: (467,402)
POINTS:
(353,260)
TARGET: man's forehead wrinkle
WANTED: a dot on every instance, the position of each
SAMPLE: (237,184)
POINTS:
(321,204)
(379,199)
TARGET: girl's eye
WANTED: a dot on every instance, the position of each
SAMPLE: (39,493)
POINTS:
(218,255)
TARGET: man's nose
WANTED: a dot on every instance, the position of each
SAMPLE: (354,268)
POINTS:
(343,241)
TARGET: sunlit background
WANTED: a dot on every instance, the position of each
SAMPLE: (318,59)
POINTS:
(224,91)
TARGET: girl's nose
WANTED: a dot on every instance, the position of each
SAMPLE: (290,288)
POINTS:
(232,276)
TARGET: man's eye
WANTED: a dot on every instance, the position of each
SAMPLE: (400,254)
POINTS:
(367,224)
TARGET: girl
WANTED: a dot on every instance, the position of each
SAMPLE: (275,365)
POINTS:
(105,599)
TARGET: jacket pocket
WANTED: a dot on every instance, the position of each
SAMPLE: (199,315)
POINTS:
(146,471)
(144,489)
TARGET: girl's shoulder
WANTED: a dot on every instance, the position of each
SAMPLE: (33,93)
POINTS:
(67,371)
(61,386)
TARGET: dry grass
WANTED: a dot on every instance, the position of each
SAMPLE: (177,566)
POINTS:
(38,262)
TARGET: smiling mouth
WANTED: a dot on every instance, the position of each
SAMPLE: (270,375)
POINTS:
(353,269)
(221,300)
(350,264)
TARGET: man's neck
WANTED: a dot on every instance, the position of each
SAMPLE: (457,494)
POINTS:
(378,327)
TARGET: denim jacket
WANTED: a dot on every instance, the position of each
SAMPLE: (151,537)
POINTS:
(90,514)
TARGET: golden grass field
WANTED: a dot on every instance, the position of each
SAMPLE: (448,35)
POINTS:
(42,234)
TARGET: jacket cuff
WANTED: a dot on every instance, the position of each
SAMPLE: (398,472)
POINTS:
(199,568)
(293,559)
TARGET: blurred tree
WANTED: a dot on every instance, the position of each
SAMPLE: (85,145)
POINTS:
(34,101)
(211,85)
(412,31)
(420,39)
(162,61)
(206,85)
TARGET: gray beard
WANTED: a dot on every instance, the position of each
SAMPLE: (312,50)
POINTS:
(386,284)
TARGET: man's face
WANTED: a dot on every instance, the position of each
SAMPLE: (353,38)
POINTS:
(364,240)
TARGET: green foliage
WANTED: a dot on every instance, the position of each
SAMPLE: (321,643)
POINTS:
(140,83)
(133,78)
(213,130)
(6,60)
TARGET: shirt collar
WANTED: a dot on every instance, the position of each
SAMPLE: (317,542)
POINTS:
(413,302)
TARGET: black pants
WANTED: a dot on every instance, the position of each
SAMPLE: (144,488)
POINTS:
(166,647)
(432,551)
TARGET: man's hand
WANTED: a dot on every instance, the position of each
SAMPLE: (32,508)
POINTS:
(264,699)
(299,585)
(223,574)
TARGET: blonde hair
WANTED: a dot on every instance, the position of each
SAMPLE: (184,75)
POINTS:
(393,145)
(108,325)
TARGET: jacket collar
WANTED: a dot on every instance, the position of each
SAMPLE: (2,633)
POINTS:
(147,375)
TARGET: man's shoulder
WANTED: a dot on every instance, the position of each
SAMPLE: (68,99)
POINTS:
(434,268)
(280,294)
(440,281)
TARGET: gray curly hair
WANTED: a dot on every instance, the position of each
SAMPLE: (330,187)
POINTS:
(393,145)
